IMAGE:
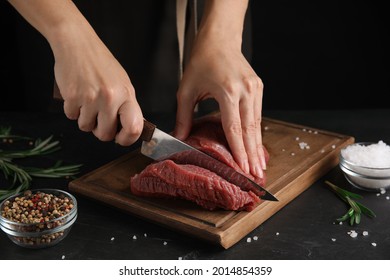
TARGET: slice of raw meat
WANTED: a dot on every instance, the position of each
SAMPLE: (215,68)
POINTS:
(207,189)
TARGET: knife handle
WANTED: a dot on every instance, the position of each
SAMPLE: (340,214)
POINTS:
(147,131)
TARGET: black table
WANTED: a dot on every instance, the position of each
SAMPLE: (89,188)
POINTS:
(304,229)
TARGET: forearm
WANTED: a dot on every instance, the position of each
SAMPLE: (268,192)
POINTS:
(224,20)
(57,20)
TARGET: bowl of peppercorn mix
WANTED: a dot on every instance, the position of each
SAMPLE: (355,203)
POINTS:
(38,218)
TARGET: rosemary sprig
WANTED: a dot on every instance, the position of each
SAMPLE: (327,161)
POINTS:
(356,209)
(20,177)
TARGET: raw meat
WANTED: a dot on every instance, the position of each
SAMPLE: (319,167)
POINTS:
(208,183)
(207,189)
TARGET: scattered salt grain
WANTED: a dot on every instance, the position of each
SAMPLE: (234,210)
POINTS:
(277,233)
(63,257)
(249,240)
(145,235)
(310,131)
(365,233)
(303,129)
(334,239)
(353,233)
(134,237)
(373,244)
(378,194)
(255,238)
(112,238)
(165,243)
(315,132)
(333,146)
(266,128)
(322,151)
(383,191)
(297,138)
(302,145)
(293,154)
(283,150)
(180,258)
(387,197)
(340,223)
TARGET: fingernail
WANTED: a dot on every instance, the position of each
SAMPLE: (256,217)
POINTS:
(263,163)
(245,166)
(259,172)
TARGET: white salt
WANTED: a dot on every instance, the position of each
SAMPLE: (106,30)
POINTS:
(302,145)
(353,234)
(297,138)
(373,155)
(293,154)
(180,258)
(365,233)
(333,146)
(63,257)
(165,243)
(112,238)
(145,235)
(373,244)
(277,233)
(255,238)
(334,239)
(387,197)
(134,237)
(249,240)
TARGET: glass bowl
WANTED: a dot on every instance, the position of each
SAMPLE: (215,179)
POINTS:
(364,177)
(38,218)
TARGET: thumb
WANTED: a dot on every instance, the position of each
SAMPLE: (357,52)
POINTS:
(184,114)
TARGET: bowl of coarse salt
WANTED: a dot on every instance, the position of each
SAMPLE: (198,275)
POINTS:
(366,165)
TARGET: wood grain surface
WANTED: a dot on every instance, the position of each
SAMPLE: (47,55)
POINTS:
(290,171)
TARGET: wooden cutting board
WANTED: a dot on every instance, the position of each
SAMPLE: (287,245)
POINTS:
(290,171)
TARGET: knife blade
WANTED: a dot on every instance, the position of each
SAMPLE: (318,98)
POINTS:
(159,145)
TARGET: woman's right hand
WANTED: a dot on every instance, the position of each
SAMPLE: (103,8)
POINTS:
(96,90)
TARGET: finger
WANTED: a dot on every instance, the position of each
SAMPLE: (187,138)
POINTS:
(248,123)
(87,118)
(71,110)
(107,123)
(184,114)
(131,119)
(257,105)
(231,123)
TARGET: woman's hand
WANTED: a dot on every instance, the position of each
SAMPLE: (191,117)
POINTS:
(97,91)
(219,70)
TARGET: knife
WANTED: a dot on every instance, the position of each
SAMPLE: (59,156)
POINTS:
(159,145)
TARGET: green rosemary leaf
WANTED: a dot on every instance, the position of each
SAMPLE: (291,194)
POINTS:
(366,210)
(357,218)
(343,218)
(353,204)
(352,220)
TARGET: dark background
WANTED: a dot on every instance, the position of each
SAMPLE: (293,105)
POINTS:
(309,54)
